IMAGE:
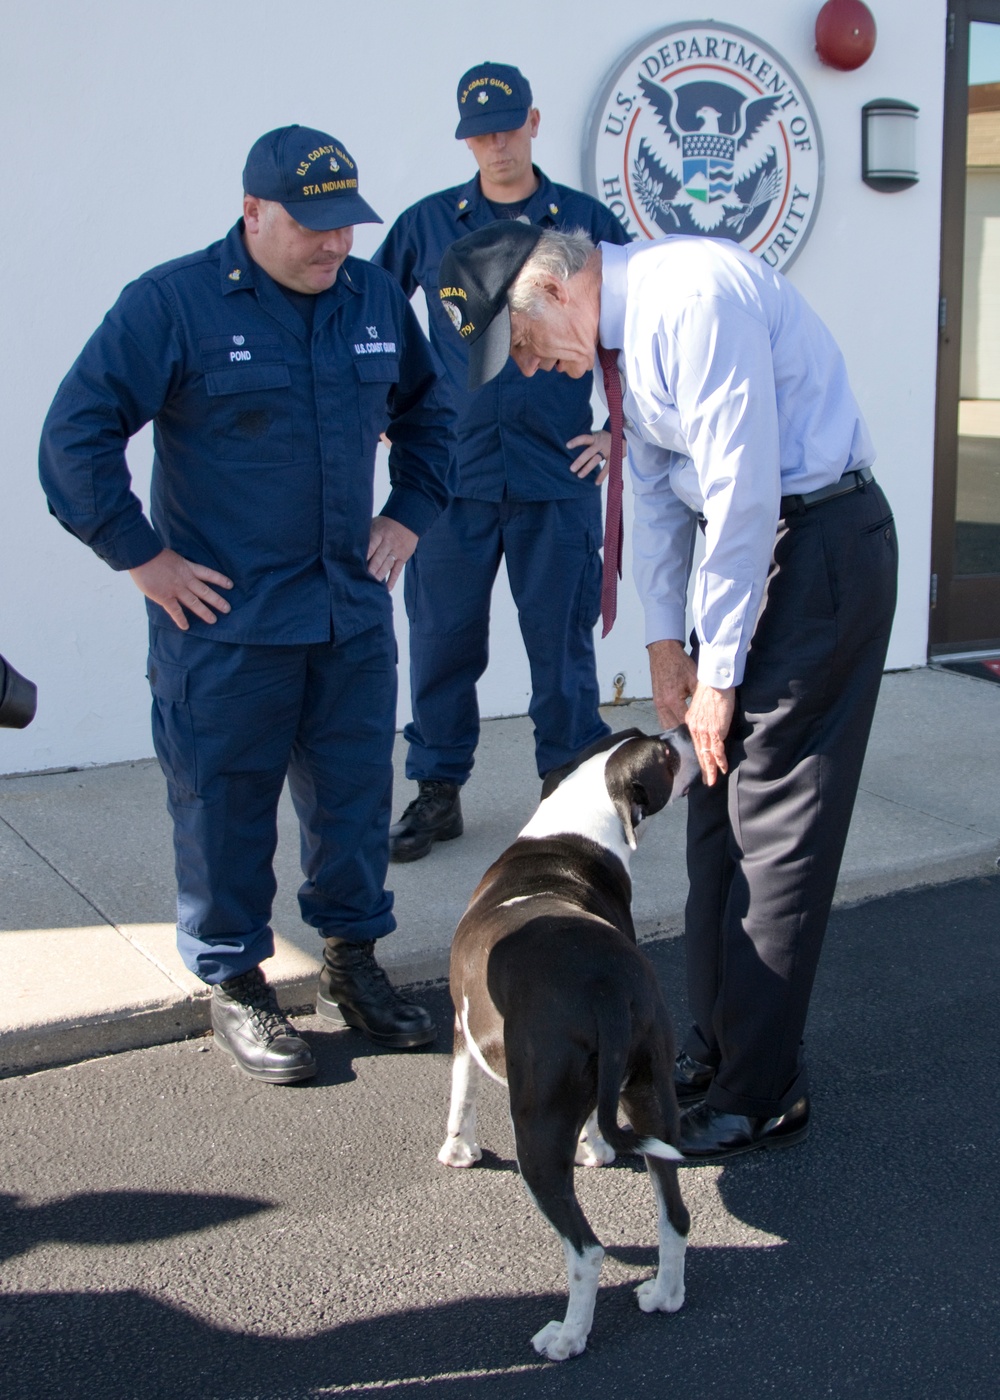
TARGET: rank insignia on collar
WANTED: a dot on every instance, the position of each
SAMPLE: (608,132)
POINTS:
(553,209)
(235,275)
(463,204)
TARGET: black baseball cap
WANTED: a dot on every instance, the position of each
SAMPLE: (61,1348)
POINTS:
(311,175)
(492,97)
(475,275)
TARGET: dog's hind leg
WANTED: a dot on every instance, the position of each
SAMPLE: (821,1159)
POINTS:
(665,1292)
(592,1150)
(545,1147)
(460,1148)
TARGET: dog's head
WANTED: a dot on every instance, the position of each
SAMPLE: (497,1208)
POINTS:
(642,773)
(647,772)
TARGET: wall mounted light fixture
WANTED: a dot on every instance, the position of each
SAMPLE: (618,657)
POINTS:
(889,144)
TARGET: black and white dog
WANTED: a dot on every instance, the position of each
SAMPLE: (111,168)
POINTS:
(553,998)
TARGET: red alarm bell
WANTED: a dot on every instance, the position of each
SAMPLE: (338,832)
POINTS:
(845,34)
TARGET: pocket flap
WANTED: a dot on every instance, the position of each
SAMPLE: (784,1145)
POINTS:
(242,379)
(376,368)
(167,681)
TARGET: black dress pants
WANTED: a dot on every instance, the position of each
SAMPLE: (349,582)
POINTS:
(765,843)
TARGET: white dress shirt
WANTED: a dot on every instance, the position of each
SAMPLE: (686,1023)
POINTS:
(735,395)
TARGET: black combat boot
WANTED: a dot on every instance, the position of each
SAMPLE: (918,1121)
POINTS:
(435,814)
(354,991)
(249,1024)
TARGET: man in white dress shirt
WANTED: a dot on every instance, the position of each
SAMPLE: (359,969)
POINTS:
(739,419)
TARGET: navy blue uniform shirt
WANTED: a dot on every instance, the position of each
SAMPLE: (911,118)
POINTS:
(512,433)
(264,438)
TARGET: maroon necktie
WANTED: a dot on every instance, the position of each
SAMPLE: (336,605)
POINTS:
(613,520)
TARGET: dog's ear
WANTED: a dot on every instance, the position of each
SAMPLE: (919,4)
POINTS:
(640,778)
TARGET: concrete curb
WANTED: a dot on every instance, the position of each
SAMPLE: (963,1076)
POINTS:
(45,1047)
(88,964)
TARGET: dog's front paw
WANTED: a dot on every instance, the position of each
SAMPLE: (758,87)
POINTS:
(456,1152)
(657,1295)
(559,1342)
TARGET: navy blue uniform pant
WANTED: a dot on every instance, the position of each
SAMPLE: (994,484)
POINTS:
(552,552)
(229,724)
(765,843)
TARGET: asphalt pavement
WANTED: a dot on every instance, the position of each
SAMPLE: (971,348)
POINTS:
(172,1230)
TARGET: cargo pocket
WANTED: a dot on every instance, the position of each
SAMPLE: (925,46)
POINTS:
(173,730)
(589,608)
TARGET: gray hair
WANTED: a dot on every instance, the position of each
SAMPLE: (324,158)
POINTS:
(559,253)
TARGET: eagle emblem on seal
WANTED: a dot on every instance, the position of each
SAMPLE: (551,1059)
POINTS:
(719,171)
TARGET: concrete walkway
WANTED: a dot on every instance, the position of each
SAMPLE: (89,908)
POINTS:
(87,957)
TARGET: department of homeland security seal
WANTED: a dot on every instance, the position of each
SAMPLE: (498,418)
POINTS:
(704,129)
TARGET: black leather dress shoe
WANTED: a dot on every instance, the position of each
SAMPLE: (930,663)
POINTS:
(691,1079)
(710,1135)
(354,991)
(249,1024)
(435,814)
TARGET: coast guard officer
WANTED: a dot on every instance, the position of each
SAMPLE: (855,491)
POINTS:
(269,363)
(525,490)
(740,416)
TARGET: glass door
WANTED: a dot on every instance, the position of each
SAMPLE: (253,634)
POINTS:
(965,584)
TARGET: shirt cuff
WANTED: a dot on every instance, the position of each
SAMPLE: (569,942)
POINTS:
(719,668)
(664,622)
(132,548)
(411,508)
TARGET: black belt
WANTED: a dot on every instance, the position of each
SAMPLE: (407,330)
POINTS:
(850,481)
(794,505)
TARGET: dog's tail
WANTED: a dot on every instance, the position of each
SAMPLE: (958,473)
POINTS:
(612,1053)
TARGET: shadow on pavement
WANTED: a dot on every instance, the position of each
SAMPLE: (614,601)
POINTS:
(880,1280)
(115,1218)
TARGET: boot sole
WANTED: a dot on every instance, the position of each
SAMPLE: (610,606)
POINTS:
(402,857)
(399,1040)
(268,1076)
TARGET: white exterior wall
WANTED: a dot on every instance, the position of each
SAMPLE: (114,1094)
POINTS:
(126,127)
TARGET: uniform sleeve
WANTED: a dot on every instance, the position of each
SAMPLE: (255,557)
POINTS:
(421,432)
(121,380)
(662,543)
(721,377)
(398,254)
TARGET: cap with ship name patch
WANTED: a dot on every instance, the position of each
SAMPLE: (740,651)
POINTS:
(311,175)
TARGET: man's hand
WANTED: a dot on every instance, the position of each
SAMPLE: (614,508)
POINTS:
(674,676)
(389,546)
(596,451)
(175,583)
(709,717)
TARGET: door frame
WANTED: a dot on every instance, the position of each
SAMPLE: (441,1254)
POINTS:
(955,602)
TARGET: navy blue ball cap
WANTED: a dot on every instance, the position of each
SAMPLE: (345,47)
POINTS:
(311,175)
(492,97)
(475,275)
